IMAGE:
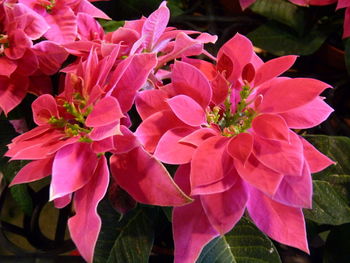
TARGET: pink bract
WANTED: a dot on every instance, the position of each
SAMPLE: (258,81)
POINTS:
(228,126)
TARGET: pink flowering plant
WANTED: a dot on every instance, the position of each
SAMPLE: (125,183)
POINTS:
(141,132)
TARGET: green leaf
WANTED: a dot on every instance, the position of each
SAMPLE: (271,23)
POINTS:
(110,25)
(283,12)
(19,192)
(244,244)
(328,206)
(124,239)
(280,40)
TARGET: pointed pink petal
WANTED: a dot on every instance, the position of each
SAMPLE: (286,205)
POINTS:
(273,68)
(315,159)
(283,157)
(193,233)
(234,55)
(246,3)
(186,79)
(12,92)
(289,94)
(198,136)
(146,180)
(37,131)
(241,146)
(220,89)
(103,132)
(280,222)
(33,171)
(150,101)
(63,25)
(73,168)
(102,146)
(258,175)
(225,209)
(295,191)
(106,111)
(89,28)
(154,26)
(50,56)
(44,108)
(205,67)
(7,66)
(182,105)
(169,150)
(308,115)
(210,162)
(88,8)
(271,126)
(152,129)
(28,64)
(63,201)
(133,78)
(85,225)
(125,142)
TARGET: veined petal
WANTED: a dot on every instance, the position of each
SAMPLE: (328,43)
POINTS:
(149,102)
(295,191)
(62,201)
(187,110)
(271,126)
(282,223)
(315,159)
(73,167)
(33,171)
(198,136)
(146,180)
(273,68)
(7,66)
(241,146)
(105,112)
(225,209)
(210,162)
(44,108)
(85,225)
(103,132)
(170,150)
(308,115)
(125,142)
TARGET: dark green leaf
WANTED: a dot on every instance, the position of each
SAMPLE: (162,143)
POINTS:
(328,206)
(19,192)
(279,40)
(135,241)
(244,244)
(283,12)
(110,25)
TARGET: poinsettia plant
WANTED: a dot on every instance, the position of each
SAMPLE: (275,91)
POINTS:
(145,114)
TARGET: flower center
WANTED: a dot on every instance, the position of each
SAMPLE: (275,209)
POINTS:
(233,123)
(75,125)
(4,43)
(47,4)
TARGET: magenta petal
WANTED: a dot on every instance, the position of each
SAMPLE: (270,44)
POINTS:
(103,132)
(258,175)
(44,108)
(33,171)
(295,191)
(246,3)
(280,222)
(182,105)
(220,89)
(225,209)
(149,102)
(210,162)
(7,66)
(146,180)
(346,32)
(191,227)
(281,156)
(105,112)
(63,201)
(273,68)
(85,225)
(271,126)
(170,150)
(125,142)
(308,115)
(73,167)
(289,94)
(186,79)
(315,159)
(241,146)
(152,129)
(198,136)
(154,26)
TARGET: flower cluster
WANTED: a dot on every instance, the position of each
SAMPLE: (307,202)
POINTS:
(226,123)
(340,4)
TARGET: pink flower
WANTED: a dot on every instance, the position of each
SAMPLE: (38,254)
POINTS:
(76,129)
(231,137)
